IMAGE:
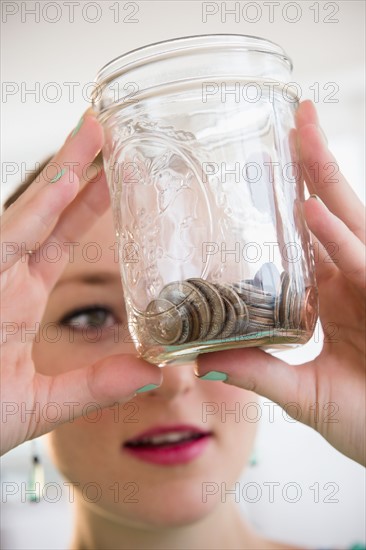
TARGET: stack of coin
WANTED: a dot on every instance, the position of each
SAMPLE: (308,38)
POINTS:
(260,305)
(198,310)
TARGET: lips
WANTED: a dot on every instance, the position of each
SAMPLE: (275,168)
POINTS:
(169,445)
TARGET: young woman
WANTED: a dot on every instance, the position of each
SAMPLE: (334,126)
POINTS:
(150,451)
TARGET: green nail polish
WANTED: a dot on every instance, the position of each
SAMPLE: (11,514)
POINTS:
(214,375)
(148,387)
(77,127)
(58,175)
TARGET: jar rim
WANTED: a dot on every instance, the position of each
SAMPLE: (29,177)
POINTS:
(160,49)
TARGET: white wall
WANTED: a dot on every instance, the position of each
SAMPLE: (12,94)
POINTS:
(328,53)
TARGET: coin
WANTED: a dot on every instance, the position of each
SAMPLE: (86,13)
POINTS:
(296,304)
(217,315)
(309,311)
(253,294)
(261,311)
(267,278)
(164,322)
(182,292)
(196,310)
(194,323)
(285,300)
(277,303)
(240,307)
(258,319)
(230,319)
(282,301)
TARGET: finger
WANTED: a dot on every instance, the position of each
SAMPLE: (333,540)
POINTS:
(77,218)
(254,370)
(78,151)
(322,173)
(306,114)
(32,224)
(33,216)
(325,268)
(94,171)
(348,252)
(76,155)
(109,381)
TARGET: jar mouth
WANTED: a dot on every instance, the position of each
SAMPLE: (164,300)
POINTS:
(169,66)
(182,45)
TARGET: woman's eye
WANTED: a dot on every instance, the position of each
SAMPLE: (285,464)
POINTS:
(98,317)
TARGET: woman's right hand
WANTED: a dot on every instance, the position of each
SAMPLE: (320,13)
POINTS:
(58,207)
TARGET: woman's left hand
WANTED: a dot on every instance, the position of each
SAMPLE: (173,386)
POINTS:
(329,391)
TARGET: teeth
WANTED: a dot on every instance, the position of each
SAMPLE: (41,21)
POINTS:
(170,437)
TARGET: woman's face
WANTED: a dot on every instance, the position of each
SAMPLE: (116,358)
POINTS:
(176,487)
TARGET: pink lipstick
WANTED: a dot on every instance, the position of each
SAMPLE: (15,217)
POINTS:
(169,445)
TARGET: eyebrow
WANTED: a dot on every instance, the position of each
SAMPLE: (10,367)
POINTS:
(101,278)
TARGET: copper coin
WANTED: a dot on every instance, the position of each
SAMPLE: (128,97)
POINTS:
(309,312)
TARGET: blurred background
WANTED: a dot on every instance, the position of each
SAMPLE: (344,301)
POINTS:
(50,54)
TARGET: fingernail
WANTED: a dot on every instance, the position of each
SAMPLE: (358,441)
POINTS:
(253,459)
(78,126)
(148,387)
(58,175)
(214,375)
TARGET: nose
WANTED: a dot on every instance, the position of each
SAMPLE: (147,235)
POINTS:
(178,380)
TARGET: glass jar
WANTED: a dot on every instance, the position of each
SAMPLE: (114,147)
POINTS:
(207,191)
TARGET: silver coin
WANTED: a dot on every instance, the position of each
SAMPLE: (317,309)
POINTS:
(276,310)
(230,319)
(216,318)
(183,293)
(296,299)
(164,322)
(240,307)
(253,293)
(259,320)
(285,299)
(261,311)
(300,298)
(291,305)
(278,300)
(267,278)
(194,323)
(252,301)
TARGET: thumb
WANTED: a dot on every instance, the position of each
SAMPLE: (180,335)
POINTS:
(111,380)
(255,370)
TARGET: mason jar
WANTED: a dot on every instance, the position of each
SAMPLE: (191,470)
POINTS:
(206,190)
